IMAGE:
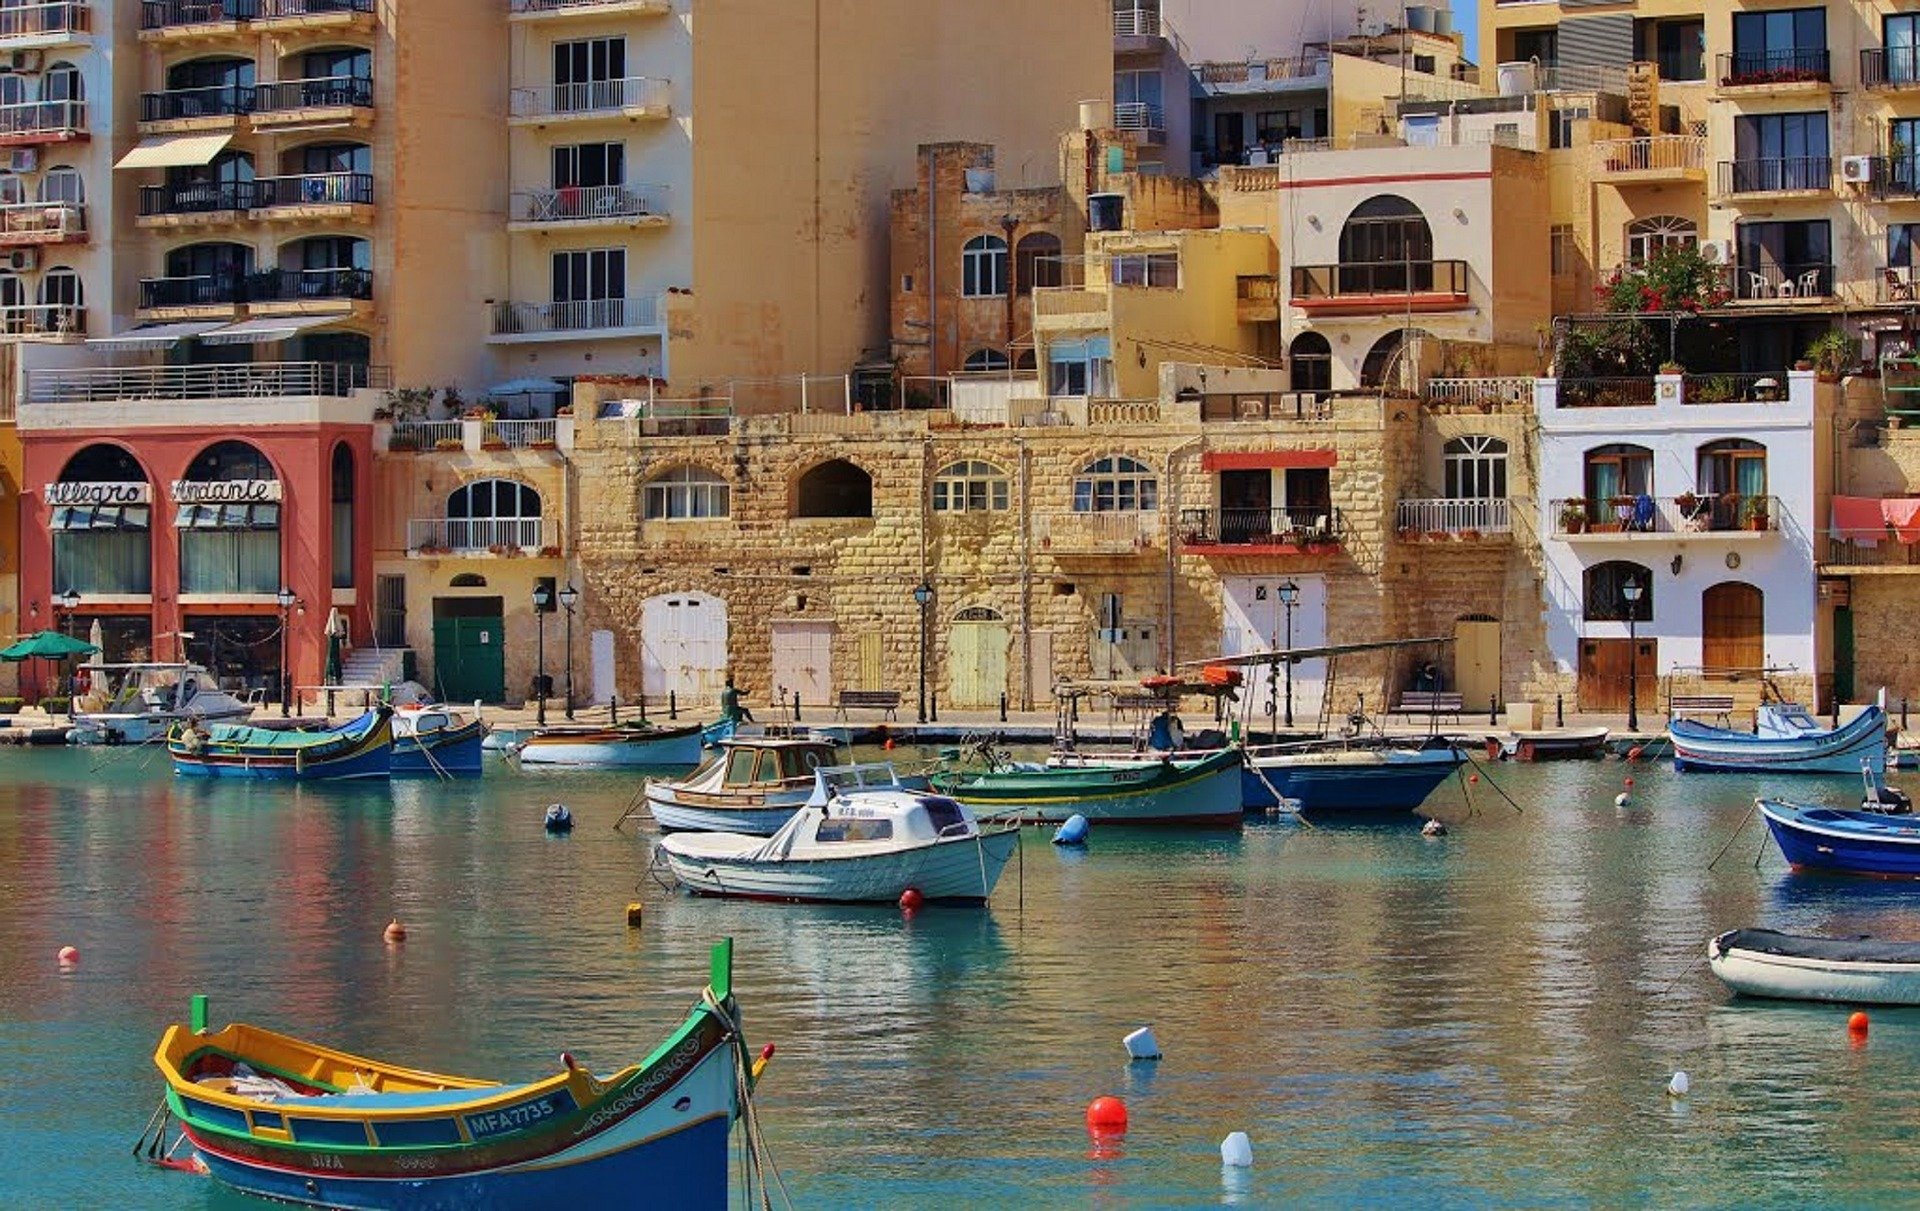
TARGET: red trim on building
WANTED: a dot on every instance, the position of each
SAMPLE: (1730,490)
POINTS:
(1264,460)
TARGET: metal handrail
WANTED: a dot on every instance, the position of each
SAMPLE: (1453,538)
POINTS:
(43,319)
(588,203)
(42,117)
(224,381)
(1890,67)
(1650,154)
(1379,277)
(471,534)
(314,189)
(1307,525)
(578,315)
(591,96)
(317,92)
(1452,515)
(1793,65)
(206,101)
(58,17)
(1778,174)
(42,218)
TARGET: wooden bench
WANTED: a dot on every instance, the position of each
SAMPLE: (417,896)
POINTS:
(1430,702)
(872,700)
(1717,705)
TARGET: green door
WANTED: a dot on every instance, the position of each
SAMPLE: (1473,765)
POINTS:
(469,659)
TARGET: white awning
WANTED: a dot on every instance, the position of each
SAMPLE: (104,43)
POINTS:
(262,329)
(153,336)
(174,151)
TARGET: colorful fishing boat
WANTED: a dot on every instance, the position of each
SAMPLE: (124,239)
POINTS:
(626,744)
(284,1119)
(1205,791)
(1844,842)
(360,748)
(136,703)
(1786,740)
(860,839)
(1794,967)
(436,741)
(753,786)
(1350,780)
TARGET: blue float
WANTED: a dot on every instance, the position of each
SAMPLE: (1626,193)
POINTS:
(559,819)
(1073,831)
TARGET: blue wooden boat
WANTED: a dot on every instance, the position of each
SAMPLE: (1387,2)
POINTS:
(1787,740)
(292,1121)
(362,748)
(436,742)
(1353,781)
(1843,842)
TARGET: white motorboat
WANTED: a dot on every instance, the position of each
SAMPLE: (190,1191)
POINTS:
(754,785)
(859,838)
(1860,971)
(135,703)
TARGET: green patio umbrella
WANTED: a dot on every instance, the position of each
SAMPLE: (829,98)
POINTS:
(47,645)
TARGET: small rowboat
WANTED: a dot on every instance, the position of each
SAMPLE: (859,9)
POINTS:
(1859,971)
(1787,741)
(1205,792)
(362,748)
(284,1119)
(1843,842)
(629,744)
(1548,744)
(434,740)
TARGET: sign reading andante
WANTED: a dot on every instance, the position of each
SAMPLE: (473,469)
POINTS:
(224,491)
(99,494)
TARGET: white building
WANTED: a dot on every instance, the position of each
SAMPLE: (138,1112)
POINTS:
(1702,490)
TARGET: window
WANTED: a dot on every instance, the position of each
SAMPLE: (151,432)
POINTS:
(61,288)
(1903,240)
(229,548)
(1388,363)
(589,165)
(844,828)
(1901,36)
(1650,235)
(1560,132)
(61,83)
(1735,465)
(1781,45)
(1780,151)
(1036,262)
(1903,156)
(1616,474)
(1423,64)
(206,86)
(1080,367)
(1604,587)
(587,74)
(1680,50)
(1476,468)
(1783,259)
(1310,363)
(335,252)
(318,158)
(338,62)
(223,262)
(61,186)
(1116,484)
(1386,247)
(1541,44)
(1136,99)
(983,267)
(970,487)
(103,548)
(1156,269)
(687,494)
(492,513)
(342,501)
(589,288)
(982,361)
(834,489)
(13,190)
(1560,249)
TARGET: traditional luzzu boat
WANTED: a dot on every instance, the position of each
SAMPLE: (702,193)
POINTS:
(1201,792)
(436,741)
(361,748)
(1844,842)
(1859,971)
(627,744)
(860,839)
(284,1119)
(1786,740)
(752,786)
(1384,778)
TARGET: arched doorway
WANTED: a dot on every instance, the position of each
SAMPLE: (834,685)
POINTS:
(1733,626)
(683,646)
(977,643)
(1310,363)
(835,488)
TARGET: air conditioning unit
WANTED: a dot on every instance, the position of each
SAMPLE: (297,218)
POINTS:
(23,60)
(23,159)
(1716,252)
(22,258)
(1856,170)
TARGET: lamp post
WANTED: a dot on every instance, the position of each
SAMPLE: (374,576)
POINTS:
(569,597)
(69,601)
(285,599)
(1633,590)
(542,604)
(923,597)
(1289,597)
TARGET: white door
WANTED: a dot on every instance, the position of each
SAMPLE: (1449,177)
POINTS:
(683,646)
(600,649)
(1256,622)
(803,662)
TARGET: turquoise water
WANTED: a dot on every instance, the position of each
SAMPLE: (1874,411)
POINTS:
(1484,1019)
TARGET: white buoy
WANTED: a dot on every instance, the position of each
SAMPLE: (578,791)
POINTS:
(1433,828)
(1236,1151)
(1622,799)
(1141,1045)
(1678,1086)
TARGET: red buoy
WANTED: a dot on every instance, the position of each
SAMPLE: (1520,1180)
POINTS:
(889,744)
(70,956)
(1473,778)
(1857,1024)
(1629,783)
(1633,754)
(911,900)
(1107,1116)
(396,932)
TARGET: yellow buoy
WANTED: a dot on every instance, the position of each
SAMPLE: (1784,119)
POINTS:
(633,915)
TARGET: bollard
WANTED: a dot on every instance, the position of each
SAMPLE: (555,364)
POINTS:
(613,709)
(1903,712)
(673,705)
(796,706)
(1559,710)
(933,706)
(1003,706)
(1493,709)
(643,706)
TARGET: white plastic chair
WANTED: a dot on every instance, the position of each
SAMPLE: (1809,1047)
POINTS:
(1810,284)
(1757,285)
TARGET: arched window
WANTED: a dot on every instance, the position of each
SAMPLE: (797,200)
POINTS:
(223,183)
(1310,363)
(1648,236)
(60,287)
(228,520)
(342,494)
(61,83)
(331,63)
(467,580)
(983,267)
(494,513)
(984,360)
(834,489)
(1036,262)
(687,494)
(970,487)
(325,267)
(1476,468)
(1734,465)
(1026,361)
(1116,484)
(1604,586)
(1386,247)
(62,186)
(102,523)
(1392,362)
(1615,475)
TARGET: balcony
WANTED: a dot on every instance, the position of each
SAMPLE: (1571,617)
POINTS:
(1895,177)
(312,195)
(194,18)
(1071,309)
(1791,70)
(328,101)
(1380,287)
(575,320)
(25,224)
(1124,533)
(1294,531)
(44,26)
(1654,161)
(194,203)
(632,98)
(32,123)
(1510,394)
(287,16)
(246,380)
(199,293)
(1899,284)
(1890,67)
(1257,299)
(1782,283)
(289,291)
(1625,518)
(585,206)
(1454,517)
(216,107)
(52,323)
(561,10)
(481,436)
(1787,175)
(1142,119)
(470,537)
(1136,23)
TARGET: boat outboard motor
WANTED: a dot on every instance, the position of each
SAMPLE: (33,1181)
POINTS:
(1888,800)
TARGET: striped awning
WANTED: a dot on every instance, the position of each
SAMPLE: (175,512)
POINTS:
(175,151)
(150,337)
(261,329)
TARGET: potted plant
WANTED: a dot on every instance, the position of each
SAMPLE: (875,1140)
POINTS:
(1573,515)
(448,443)
(1672,368)
(1755,513)
(1829,353)
(1692,516)
(1407,534)
(549,552)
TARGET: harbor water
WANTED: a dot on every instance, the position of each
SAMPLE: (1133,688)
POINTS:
(1489,1018)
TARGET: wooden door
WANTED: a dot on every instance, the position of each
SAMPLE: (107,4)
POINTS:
(469,657)
(1476,661)
(977,642)
(803,662)
(683,646)
(870,655)
(1733,628)
(1040,667)
(1603,674)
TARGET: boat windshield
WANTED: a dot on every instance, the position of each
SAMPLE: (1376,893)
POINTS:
(842,828)
(943,813)
(800,762)
(740,766)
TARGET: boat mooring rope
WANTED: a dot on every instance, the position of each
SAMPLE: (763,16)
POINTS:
(758,1158)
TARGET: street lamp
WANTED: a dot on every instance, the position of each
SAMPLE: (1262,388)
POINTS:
(68,601)
(1633,590)
(923,597)
(542,604)
(569,596)
(1289,597)
(285,599)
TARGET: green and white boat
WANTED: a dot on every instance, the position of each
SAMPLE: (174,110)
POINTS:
(1204,792)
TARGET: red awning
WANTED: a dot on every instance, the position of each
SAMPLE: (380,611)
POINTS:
(1265,460)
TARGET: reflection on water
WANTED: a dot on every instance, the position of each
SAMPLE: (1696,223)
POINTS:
(1485,1018)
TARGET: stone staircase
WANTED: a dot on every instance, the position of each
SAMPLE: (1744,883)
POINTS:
(373,666)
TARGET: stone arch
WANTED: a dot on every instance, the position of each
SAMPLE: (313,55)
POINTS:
(834,488)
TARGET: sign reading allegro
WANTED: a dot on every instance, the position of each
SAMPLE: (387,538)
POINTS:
(99,493)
